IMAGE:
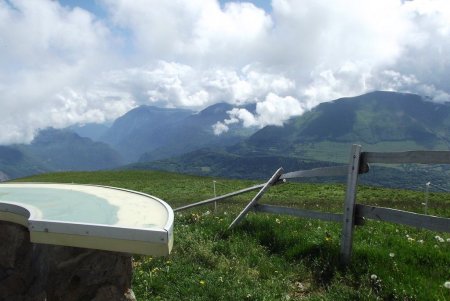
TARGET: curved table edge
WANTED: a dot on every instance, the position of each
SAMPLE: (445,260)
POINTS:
(146,241)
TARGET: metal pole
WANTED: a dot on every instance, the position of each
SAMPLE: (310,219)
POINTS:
(215,203)
(427,192)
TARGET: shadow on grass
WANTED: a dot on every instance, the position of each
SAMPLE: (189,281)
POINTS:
(319,254)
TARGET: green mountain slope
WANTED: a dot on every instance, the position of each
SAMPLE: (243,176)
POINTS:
(220,163)
(15,163)
(65,150)
(56,150)
(380,121)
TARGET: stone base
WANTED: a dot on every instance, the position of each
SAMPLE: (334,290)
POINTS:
(38,272)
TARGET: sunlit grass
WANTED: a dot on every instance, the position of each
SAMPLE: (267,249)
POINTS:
(272,257)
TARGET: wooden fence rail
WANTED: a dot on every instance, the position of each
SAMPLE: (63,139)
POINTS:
(353,213)
(429,222)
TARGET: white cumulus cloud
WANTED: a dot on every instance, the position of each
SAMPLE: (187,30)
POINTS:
(274,110)
(61,65)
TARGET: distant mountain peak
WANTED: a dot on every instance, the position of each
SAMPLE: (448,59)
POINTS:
(217,108)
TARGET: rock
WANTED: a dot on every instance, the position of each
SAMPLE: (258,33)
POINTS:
(38,272)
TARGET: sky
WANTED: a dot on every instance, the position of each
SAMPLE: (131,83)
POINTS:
(74,62)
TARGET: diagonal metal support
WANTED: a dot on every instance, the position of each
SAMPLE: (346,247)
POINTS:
(274,179)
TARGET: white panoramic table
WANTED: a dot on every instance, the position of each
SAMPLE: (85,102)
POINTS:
(88,216)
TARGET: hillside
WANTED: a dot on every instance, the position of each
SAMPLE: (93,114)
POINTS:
(184,141)
(274,257)
(208,162)
(56,150)
(379,121)
(148,133)
(142,129)
(196,132)
(64,150)
(15,163)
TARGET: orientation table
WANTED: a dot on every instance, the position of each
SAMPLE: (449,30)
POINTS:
(89,216)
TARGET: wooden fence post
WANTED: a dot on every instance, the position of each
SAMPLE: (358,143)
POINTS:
(349,206)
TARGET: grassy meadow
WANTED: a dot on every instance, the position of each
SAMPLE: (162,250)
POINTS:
(272,257)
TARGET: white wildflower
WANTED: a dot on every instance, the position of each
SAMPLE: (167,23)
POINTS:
(439,239)
(391,255)
(420,241)
(447,284)
(373,277)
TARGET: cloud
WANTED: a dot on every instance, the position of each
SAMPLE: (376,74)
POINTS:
(274,110)
(49,57)
(198,31)
(64,65)
(171,84)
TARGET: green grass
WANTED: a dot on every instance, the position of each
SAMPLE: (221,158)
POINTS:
(271,257)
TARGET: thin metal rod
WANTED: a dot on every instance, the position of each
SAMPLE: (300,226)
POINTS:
(317,172)
(275,177)
(219,198)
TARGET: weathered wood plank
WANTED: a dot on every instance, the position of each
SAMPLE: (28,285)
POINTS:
(325,216)
(349,206)
(317,172)
(275,177)
(404,217)
(422,157)
(220,197)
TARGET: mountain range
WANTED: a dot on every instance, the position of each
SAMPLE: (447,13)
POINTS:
(147,133)
(182,140)
(56,150)
(379,121)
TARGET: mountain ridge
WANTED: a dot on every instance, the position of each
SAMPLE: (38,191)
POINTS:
(56,150)
(379,121)
(181,139)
